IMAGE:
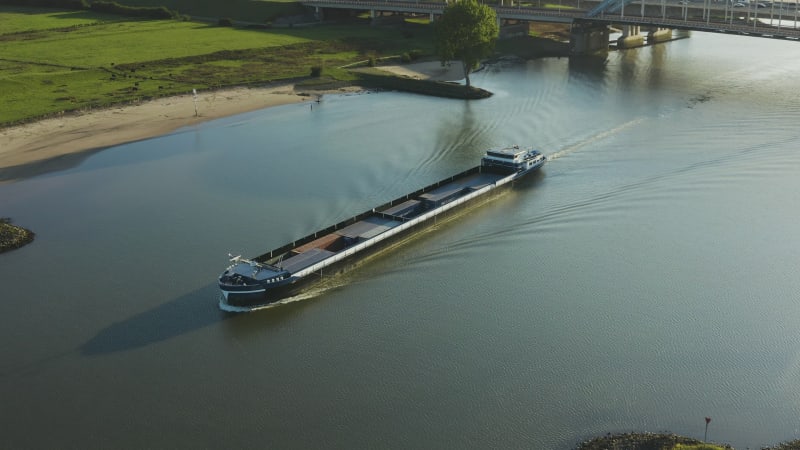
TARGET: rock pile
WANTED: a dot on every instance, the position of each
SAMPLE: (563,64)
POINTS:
(12,236)
(638,441)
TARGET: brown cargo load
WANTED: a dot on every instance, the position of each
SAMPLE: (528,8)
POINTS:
(332,242)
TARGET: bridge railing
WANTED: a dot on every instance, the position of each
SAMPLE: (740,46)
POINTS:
(747,23)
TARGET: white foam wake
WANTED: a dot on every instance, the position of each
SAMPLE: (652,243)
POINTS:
(594,138)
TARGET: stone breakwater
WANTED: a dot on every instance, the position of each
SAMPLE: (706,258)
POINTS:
(12,236)
(640,441)
(660,441)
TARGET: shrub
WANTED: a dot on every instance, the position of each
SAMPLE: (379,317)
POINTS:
(152,12)
(405,58)
(225,22)
(316,71)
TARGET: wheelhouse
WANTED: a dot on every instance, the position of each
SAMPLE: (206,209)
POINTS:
(512,158)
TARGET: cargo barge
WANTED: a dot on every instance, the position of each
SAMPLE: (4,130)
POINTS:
(286,271)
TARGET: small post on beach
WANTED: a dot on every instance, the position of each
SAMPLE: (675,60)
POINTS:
(705,437)
(194,93)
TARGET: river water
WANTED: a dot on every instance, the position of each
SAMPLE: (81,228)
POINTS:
(646,278)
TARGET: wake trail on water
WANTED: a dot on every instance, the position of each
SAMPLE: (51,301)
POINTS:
(554,156)
(593,138)
(305,295)
(558,214)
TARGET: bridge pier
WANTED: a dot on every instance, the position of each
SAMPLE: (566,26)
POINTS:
(659,35)
(631,37)
(588,39)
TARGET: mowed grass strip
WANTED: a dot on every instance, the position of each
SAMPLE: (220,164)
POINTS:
(131,41)
(46,70)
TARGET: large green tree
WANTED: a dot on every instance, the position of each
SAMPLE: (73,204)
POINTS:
(466,31)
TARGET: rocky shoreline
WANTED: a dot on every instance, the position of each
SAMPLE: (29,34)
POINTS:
(642,441)
(12,236)
(662,441)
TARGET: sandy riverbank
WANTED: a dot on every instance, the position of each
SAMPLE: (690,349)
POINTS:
(32,148)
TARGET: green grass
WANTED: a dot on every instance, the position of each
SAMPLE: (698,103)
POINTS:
(131,41)
(62,61)
(421,20)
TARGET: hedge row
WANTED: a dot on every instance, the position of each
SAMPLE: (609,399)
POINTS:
(151,12)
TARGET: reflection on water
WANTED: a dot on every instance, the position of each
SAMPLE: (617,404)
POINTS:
(643,280)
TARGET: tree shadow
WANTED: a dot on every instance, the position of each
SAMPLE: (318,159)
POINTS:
(46,166)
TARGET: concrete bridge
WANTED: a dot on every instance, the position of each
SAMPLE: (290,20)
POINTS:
(590,27)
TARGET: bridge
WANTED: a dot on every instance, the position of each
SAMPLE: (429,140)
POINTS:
(776,20)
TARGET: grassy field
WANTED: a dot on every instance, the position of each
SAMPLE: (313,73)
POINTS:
(55,61)
(58,61)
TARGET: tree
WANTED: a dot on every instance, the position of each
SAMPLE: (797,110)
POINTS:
(466,31)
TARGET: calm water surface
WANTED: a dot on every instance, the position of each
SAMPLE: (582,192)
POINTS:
(645,279)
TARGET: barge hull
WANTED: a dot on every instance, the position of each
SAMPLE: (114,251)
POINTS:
(288,270)
(266,297)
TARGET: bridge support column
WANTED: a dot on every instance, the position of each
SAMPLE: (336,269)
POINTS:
(659,35)
(630,37)
(588,39)
(318,13)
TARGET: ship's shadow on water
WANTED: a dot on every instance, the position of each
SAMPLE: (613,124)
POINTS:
(199,309)
(187,313)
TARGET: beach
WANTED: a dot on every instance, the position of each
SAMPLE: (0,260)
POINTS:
(32,148)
